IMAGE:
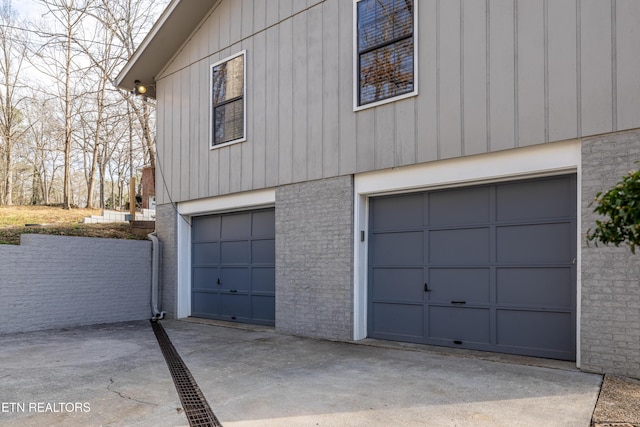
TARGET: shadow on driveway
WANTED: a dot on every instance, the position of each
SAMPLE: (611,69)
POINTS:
(261,378)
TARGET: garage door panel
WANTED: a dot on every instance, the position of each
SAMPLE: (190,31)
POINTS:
(263,308)
(460,324)
(398,284)
(461,206)
(205,253)
(236,226)
(547,198)
(460,284)
(503,252)
(469,246)
(544,331)
(237,279)
(543,287)
(535,244)
(205,228)
(263,279)
(398,319)
(264,224)
(233,267)
(235,252)
(204,303)
(235,305)
(205,278)
(263,251)
(398,211)
(398,248)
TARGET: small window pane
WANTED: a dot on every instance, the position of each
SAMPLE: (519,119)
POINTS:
(386,72)
(386,64)
(227,101)
(382,21)
(228,122)
(228,80)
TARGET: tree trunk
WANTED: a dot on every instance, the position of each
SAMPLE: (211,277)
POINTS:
(66,203)
(91,181)
(101,169)
(8,182)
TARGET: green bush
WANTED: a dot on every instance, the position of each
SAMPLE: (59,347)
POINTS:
(621,208)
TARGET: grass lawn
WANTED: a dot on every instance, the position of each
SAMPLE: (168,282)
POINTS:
(62,222)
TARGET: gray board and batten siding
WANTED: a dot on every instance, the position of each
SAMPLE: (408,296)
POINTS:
(488,267)
(492,75)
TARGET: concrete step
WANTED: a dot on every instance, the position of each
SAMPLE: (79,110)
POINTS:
(148,213)
(117,216)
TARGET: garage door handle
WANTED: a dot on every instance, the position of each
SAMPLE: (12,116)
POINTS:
(233,290)
(218,282)
(458,302)
(426,287)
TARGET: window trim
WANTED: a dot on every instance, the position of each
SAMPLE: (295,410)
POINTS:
(213,146)
(356,63)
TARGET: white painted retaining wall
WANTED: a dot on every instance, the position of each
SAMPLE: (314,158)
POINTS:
(56,281)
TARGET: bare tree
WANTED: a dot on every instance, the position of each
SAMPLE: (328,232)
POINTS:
(128,20)
(119,26)
(59,140)
(99,49)
(42,146)
(13,53)
(62,64)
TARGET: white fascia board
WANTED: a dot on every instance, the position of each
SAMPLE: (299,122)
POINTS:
(214,6)
(538,160)
(147,40)
(229,202)
(172,31)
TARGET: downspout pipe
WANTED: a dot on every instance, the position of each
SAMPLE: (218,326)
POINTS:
(155,263)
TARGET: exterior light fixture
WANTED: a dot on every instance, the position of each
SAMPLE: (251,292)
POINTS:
(140,89)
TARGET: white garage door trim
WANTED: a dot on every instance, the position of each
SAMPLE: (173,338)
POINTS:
(529,162)
(214,205)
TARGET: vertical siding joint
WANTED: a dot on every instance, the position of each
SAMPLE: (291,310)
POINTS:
(488,71)
(322,115)
(462,133)
(438,79)
(516,89)
(614,67)
(579,66)
(546,70)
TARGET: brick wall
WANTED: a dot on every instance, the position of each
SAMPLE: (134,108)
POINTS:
(56,281)
(314,252)
(610,321)
(168,275)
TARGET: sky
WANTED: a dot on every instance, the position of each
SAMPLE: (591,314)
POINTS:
(36,14)
(28,8)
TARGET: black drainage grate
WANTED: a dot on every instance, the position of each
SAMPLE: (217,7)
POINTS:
(193,401)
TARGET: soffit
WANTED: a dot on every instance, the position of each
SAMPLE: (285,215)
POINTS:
(174,27)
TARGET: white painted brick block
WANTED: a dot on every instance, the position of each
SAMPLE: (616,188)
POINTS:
(610,321)
(57,281)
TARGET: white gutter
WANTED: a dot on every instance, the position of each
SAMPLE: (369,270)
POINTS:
(155,261)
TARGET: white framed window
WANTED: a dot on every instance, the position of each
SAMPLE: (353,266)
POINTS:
(228,111)
(385,46)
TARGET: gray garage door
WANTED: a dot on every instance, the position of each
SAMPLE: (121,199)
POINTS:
(489,267)
(233,260)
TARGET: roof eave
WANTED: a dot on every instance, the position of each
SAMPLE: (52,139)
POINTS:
(171,31)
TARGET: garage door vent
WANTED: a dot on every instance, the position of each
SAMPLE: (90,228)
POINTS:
(193,401)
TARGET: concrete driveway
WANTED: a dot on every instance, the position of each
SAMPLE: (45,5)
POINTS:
(116,375)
